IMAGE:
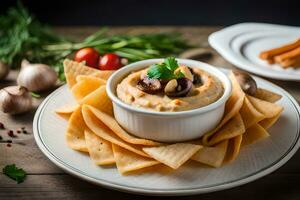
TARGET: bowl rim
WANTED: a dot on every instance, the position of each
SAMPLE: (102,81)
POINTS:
(144,63)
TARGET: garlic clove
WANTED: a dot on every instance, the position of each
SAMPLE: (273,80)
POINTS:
(15,100)
(4,70)
(24,63)
(171,86)
(36,77)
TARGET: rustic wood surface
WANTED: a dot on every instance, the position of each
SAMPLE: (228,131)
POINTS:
(46,181)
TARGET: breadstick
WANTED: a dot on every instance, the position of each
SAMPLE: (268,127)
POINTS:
(270,61)
(269,54)
(291,62)
(288,55)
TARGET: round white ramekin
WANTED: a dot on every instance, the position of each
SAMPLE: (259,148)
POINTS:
(167,126)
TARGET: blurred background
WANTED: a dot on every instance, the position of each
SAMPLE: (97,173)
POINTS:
(161,12)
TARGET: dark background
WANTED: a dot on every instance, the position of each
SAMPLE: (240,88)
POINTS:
(161,12)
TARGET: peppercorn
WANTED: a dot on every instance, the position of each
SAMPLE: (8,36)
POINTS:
(1,125)
(10,133)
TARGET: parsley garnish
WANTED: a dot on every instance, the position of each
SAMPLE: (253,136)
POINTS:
(17,174)
(165,70)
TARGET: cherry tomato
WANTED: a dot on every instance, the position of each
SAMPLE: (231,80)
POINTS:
(89,55)
(110,61)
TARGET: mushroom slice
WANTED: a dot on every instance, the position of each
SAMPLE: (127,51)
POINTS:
(246,82)
(196,77)
(150,86)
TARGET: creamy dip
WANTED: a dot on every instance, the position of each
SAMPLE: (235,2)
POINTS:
(208,91)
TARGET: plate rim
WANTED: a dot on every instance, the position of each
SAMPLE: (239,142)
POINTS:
(221,45)
(168,192)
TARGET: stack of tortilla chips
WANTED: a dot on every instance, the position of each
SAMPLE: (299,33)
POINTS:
(93,129)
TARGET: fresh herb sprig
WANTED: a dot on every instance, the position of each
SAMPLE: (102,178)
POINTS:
(132,47)
(165,70)
(15,173)
(22,36)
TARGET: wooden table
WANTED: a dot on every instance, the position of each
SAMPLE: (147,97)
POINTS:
(46,181)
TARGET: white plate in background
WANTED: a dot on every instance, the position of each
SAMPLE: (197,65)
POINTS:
(241,44)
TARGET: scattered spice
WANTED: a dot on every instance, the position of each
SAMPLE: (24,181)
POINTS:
(1,125)
(10,133)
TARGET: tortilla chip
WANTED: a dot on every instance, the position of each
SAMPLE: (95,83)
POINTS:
(268,109)
(110,122)
(249,114)
(127,161)
(233,150)
(75,131)
(267,95)
(232,107)
(99,149)
(230,130)
(173,155)
(104,132)
(85,87)
(99,100)
(267,123)
(66,109)
(87,77)
(253,134)
(235,102)
(72,69)
(212,156)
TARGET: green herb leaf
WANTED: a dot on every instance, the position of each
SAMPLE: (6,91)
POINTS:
(17,174)
(35,95)
(171,63)
(157,71)
(165,70)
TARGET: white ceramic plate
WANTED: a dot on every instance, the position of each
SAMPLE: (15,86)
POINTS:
(254,161)
(241,44)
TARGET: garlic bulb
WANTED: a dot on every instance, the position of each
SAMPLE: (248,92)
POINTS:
(4,69)
(36,77)
(15,100)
